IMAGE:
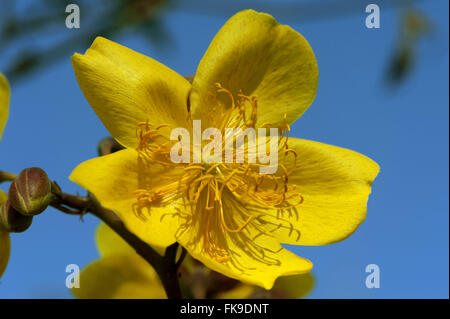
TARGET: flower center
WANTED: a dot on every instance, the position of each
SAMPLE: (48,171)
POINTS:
(220,199)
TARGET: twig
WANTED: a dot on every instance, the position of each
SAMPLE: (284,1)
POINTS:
(182,256)
(166,266)
(6,177)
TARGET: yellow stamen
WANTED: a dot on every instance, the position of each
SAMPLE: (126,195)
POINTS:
(207,187)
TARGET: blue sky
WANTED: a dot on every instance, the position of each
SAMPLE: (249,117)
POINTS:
(404,129)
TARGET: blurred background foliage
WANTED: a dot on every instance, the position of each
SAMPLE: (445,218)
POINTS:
(109,17)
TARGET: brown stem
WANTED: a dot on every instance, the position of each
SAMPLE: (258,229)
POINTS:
(182,256)
(166,266)
(169,271)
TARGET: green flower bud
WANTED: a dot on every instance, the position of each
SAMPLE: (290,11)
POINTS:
(31,192)
(12,221)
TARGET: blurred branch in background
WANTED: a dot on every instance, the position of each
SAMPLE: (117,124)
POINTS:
(109,17)
(101,17)
(414,25)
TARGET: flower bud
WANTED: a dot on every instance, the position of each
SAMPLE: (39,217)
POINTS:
(30,193)
(108,145)
(12,221)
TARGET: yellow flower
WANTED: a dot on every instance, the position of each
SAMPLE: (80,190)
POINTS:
(121,273)
(5,244)
(256,73)
(4,103)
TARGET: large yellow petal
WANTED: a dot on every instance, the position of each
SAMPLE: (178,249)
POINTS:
(254,271)
(110,243)
(113,179)
(295,287)
(335,184)
(4,103)
(255,257)
(5,244)
(119,277)
(125,88)
(255,54)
